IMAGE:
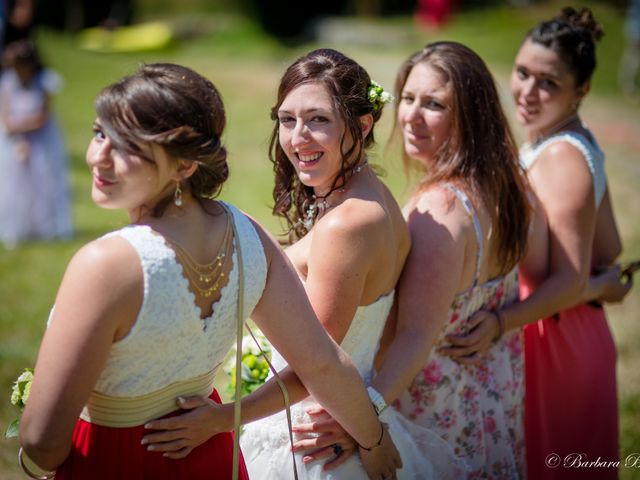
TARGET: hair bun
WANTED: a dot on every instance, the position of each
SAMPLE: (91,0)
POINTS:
(583,19)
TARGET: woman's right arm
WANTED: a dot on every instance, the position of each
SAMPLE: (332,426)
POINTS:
(101,288)
(284,314)
(564,192)
(606,284)
(32,122)
(432,275)
(564,187)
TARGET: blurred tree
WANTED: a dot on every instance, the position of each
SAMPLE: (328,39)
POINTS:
(75,15)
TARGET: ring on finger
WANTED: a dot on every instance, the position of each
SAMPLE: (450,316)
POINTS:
(337,449)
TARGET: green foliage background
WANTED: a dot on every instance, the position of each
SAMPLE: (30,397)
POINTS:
(230,49)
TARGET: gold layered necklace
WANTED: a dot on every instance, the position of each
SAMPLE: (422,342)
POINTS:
(209,277)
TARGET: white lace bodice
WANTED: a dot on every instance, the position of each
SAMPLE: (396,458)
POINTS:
(591,152)
(169,341)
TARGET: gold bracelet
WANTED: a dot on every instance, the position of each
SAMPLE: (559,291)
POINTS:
(46,475)
(501,325)
(379,441)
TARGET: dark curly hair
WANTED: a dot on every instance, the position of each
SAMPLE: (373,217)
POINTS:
(572,35)
(347,84)
(176,108)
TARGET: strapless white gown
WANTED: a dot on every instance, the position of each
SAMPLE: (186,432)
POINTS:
(265,443)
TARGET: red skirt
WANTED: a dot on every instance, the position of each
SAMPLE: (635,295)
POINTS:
(105,453)
(571,410)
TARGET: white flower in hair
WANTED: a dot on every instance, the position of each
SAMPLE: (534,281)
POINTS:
(378,96)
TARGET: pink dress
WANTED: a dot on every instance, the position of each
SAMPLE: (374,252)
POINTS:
(571,408)
(476,409)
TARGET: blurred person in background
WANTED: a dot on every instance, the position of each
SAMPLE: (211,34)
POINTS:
(34,191)
(629,69)
(19,21)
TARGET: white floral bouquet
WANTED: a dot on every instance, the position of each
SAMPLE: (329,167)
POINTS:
(255,368)
(19,396)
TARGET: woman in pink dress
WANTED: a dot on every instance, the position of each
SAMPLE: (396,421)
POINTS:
(571,415)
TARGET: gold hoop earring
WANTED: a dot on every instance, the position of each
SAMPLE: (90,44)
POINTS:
(177,195)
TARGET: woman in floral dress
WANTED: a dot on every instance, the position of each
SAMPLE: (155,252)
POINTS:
(468,219)
(571,412)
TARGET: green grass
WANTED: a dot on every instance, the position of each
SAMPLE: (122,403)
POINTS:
(246,65)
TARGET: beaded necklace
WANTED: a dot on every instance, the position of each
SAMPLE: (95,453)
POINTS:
(320,204)
(206,278)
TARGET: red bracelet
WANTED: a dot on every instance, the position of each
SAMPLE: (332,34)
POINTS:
(379,441)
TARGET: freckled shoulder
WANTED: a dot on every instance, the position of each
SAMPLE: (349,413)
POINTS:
(353,217)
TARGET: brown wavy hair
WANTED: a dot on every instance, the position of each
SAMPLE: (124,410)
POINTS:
(480,150)
(176,108)
(347,84)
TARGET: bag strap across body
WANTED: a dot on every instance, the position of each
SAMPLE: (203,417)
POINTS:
(240,317)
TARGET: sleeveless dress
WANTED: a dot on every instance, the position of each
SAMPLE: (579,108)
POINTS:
(168,345)
(265,443)
(476,408)
(571,408)
(34,194)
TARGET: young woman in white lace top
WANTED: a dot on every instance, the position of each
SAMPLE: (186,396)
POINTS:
(145,315)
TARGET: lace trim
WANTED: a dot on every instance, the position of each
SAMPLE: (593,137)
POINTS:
(591,152)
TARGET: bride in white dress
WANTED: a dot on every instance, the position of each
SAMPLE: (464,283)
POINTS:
(351,242)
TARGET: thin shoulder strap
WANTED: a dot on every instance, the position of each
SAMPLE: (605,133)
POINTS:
(468,206)
(240,324)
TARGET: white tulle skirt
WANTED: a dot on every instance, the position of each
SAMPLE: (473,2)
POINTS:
(267,451)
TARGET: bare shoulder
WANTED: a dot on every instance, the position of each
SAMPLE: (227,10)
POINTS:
(561,161)
(109,273)
(562,173)
(108,261)
(353,220)
(437,208)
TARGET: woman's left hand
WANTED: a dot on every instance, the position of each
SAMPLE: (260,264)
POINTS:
(471,347)
(177,436)
(332,441)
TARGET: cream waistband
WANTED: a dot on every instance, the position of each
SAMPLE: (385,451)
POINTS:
(122,412)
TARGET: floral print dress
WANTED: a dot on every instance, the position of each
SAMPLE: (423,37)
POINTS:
(478,409)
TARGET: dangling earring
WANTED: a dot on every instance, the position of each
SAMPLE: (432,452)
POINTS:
(177,195)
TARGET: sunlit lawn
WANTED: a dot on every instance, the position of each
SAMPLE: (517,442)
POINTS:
(245,65)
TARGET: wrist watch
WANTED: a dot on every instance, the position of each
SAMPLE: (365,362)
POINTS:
(377,400)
